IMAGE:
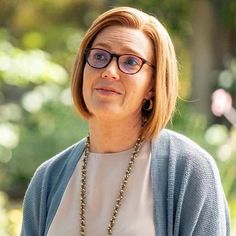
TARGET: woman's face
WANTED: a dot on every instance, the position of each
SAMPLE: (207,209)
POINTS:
(110,93)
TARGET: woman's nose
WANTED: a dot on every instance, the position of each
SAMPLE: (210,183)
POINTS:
(111,70)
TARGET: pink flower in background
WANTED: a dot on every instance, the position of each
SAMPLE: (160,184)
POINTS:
(221,102)
(222,106)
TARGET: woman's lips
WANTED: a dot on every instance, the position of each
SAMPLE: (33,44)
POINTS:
(107,91)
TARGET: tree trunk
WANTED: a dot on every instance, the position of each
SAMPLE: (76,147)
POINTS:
(203,55)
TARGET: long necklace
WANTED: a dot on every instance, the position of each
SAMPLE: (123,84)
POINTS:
(120,196)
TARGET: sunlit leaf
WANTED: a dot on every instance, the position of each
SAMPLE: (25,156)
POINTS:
(9,135)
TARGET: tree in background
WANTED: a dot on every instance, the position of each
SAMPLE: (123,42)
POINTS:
(213,48)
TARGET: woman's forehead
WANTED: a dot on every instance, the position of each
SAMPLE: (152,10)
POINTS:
(124,40)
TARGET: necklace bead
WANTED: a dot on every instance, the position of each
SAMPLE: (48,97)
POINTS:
(120,196)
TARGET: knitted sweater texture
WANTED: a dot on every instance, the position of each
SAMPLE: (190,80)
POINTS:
(188,197)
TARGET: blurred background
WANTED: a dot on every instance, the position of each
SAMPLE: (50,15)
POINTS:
(38,43)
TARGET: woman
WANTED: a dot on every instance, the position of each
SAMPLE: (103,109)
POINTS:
(130,176)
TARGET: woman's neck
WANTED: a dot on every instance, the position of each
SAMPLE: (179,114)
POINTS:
(115,136)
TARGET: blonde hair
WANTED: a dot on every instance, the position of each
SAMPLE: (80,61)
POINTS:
(166,76)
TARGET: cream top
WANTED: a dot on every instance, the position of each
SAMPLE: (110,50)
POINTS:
(104,177)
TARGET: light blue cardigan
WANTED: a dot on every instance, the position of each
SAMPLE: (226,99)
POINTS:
(187,191)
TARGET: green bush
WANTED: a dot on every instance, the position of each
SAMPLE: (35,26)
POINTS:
(42,135)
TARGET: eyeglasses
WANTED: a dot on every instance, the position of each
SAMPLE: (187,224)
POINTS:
(127,63)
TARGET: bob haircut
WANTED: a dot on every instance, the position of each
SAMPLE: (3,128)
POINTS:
(166,70)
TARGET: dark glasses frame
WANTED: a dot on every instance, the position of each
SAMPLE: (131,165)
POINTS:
(117,56)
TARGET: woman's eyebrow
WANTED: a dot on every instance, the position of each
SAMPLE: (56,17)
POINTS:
(125,49)
(103,45)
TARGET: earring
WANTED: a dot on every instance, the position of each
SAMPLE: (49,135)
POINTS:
(147,105)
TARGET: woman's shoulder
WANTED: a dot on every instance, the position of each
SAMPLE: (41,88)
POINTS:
(187,175)
(184,153)
(186,166)
(176,143)
(47,186)
(58,164)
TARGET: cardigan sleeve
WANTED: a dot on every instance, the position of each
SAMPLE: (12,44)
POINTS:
(201,206)
(34,200)
(46,189)
(213,217)
(190,188)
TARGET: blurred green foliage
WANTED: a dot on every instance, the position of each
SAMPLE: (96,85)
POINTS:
(37,119)
(10,216)
(4,219)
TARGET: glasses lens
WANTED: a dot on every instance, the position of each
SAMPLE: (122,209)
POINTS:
(98,58)
(130,64)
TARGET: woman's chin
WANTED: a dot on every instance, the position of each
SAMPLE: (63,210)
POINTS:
(106,112)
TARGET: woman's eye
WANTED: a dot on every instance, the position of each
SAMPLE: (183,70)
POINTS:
(99,57)
(132,61)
